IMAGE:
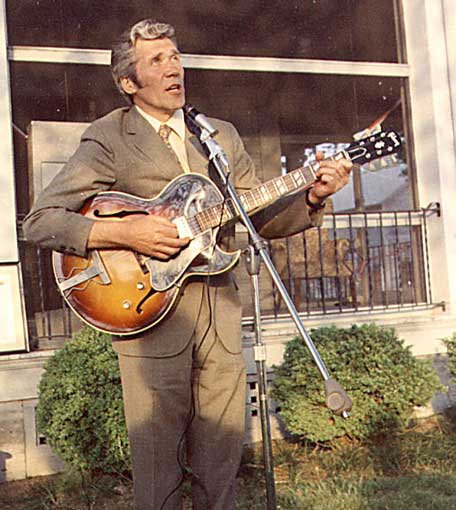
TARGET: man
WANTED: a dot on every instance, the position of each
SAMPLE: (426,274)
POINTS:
(183,381)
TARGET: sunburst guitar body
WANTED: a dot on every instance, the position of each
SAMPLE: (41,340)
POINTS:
(123,292)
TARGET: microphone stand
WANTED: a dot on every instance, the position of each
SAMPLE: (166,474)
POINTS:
(253,263)
(336,398)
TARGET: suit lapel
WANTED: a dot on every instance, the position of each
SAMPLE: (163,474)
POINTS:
(146,140)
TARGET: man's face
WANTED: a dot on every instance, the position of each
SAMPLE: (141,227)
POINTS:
(160,78)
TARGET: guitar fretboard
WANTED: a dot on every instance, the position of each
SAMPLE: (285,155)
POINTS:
(257,198)
(362,151)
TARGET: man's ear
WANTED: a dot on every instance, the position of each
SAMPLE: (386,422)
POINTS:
(128,85)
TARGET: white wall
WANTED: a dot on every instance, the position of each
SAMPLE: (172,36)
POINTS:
(21,454)
(8,241)
(426,23)
(12,330)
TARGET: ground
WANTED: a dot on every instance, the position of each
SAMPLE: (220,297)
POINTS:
(415,468)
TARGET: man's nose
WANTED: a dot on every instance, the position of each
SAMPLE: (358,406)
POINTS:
(173,68)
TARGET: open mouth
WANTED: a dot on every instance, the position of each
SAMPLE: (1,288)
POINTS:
(175,87)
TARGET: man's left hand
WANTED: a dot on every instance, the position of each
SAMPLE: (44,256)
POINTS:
(331,177)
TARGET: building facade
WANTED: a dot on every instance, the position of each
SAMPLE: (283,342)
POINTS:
(312,75)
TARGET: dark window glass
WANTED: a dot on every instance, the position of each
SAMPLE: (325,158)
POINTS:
(316,29)
(53,92)
(283,118)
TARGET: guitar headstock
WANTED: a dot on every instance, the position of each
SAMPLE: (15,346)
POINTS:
(376,146)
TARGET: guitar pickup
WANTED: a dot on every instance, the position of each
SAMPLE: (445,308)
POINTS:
(183,228)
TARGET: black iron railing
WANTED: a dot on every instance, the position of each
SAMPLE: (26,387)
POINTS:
(353,262)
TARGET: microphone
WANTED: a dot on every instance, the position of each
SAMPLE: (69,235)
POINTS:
(199,119)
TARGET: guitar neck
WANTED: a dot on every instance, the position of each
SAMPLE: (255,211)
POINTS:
(263,195)
(362,151)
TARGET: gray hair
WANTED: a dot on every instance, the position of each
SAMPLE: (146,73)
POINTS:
(123,56)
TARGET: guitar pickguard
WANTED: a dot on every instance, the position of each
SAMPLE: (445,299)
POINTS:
(164,274)
(202,255)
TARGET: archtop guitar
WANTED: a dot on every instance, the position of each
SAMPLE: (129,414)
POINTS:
(123,293)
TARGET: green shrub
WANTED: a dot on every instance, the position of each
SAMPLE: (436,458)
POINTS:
(450,343)
(381,376)
(80,405)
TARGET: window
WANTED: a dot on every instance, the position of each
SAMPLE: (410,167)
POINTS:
(295,79)
(278,115)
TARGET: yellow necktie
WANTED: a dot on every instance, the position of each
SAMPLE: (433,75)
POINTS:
(164,133)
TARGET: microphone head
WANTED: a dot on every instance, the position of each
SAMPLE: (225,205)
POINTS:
(190,111)
(199,119)
(189,116)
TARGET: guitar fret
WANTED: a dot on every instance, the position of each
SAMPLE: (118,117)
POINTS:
(272,189)
(310,174)
(206,218)
(229,211)
(263,190)
(289,182)
(298,177)
(216,215)
(194,225)
(221,214)
(260,195)
(257,197)
(275,187)
(313,168)
(281,186)
(244,198)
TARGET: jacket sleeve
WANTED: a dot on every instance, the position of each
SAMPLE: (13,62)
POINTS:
(54,221)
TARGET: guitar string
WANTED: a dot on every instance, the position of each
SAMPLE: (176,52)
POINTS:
(261,195)
(210,217)
(291,181)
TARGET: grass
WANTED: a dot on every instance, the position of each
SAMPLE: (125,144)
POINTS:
(415,469)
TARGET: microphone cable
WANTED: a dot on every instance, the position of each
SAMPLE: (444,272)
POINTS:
(195,129)
(191,414)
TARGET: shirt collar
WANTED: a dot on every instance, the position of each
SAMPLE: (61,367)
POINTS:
(176,122)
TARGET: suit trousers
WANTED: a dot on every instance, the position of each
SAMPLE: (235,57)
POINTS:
(189,405)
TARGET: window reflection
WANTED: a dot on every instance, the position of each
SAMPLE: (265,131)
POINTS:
(314,29)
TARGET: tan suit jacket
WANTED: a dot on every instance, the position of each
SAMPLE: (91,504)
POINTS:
(122,152)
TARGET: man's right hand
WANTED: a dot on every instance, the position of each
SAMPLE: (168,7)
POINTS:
(151,235)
